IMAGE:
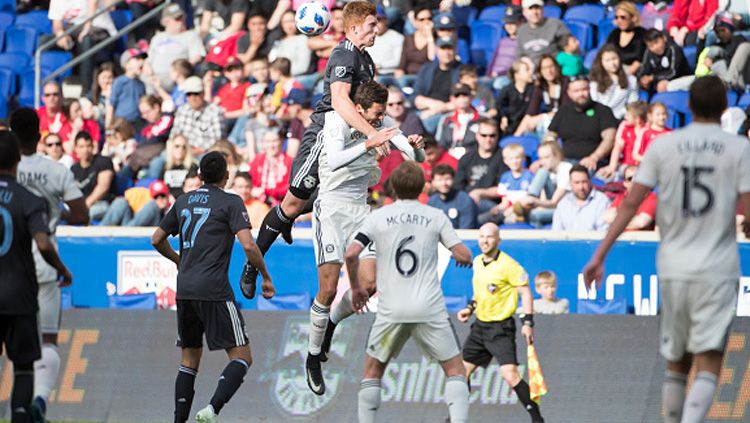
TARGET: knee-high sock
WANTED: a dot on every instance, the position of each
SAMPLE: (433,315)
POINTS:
(183,393)
(673,396)
(23,392)
(274,223)
(46,370)
(230,380)
(318,323)
(343,309)
(699,398)
(524,395)
(369,400)
(457,398)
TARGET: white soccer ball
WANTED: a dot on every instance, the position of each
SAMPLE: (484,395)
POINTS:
(312,18)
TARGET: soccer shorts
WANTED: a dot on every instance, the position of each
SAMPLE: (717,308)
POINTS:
(49,307)
(221,321)
(303,179)
(335,224)
(20,336)
(437,339)
(491,339)
(696,316)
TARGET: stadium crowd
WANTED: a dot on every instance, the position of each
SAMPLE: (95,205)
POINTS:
(535,115)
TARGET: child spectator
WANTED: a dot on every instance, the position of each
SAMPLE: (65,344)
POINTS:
(664,61)
(127,89)
(231,95)
(511,187)
(456,204)
(75,123)
(728,58)
(270,170)
(610,84)
(101,91)
(657,125)
(629,131)
(505,53)
(549,185)
(457,131)
(514,98)
(434,155)
(180,70)
(482,98)
(569,56)
(545,284)
(256,209)
(158,124)
(280,71)
(54,150)
(120,143)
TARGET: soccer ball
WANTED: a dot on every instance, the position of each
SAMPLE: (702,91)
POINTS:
(312,18)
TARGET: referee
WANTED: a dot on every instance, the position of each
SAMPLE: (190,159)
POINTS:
(497,281)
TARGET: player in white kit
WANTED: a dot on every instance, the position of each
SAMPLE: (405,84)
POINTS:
(411,303)
(347,167)
(700,172)
(54,183)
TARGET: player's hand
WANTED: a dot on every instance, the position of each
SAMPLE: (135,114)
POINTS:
(463,315)
(267,288)
(416,141)
(528,334)
(359,299)
(65,278)
(461,263)
(382,152)
(593,272)
(381,137)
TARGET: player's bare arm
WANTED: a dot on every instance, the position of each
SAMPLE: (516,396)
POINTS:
(461,254)
(47,249)
(466,312)
(255,258)
(160,244)
(76,213)
(359,294)
(527,305)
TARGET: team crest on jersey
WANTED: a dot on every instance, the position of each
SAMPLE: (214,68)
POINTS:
(491,287)
(309,182)
(339,71)
(330,248)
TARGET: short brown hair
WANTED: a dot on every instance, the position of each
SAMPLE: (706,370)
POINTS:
(545,277)
(283,65)
(370,93)
(639,109)
(124,128)
(407,181)
(443,169)
(356,12)
(183,67)
(554,146)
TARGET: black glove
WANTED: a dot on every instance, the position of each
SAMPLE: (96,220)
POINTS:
(247,281)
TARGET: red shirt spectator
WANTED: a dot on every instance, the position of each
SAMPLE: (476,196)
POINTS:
(649,135)
(435,156)
(648,207)
(691,14)
(387,166)
(270,170)
(231,98)
(629,137)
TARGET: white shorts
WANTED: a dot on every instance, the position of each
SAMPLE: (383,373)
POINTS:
(49,307)
(695,316)
(437,339)
(335,225)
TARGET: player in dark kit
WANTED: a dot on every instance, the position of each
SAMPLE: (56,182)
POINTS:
(348,67)
(207,221)
(23,217)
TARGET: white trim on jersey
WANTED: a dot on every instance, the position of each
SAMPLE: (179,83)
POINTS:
(311,158)
(236,324)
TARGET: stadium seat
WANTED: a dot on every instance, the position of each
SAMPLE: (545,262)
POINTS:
(584,32)
(744,101)
(614,306)
(589,13)
(20,40)
(603,28)
(145,182)
(529,143)
(7,85)
(454,303)
(493,14)
(643,95)
(731,98)
(484,38)
(464,16)
(66,299)
(588,60)
(690,55)
(26,89)
(133,301)
(8,6)
(552,11)
(54,60)
(121,18)
(676,101)
(37,20)
(6,20)
(285,302)
(18,62)
(463,51)
(122,183)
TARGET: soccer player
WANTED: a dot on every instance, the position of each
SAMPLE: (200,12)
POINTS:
(54,183)
(348,67)
(207,221)
(700,172)
(411,305)
(347,167)
(497,282)
(23,218)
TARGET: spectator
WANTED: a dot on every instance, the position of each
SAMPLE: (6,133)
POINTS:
(728,58)
(417,49)
(270,170)
(514,98)
(281,77)
(75,123)
(505,53)
(256,209)
(657,125)
(296,108)
(231,95)
(175,42)
(192,181)
(645,216)
(456,204)
(101,91)
(127,90)
(457,132)
(66,13)
(51,116)
(587,128)
(94,174)
(202,123)
(386,52)
(610,84)
(54,150)
(179,163)
(158,125)
(119,144)
(255,43)
(539,35)
(324,44)
(408,121)
(545,284)
(690,20)
(259,120)
(434,82)
(582,209)
(445,27)
(664,61)
(180,70)
(235,163)
(551,182)
(511,187)
(482,97)
(628,37)
(569,56)
(139,206)
(292,46)
(630,130)
(434,155)
(550,92)
(231,16)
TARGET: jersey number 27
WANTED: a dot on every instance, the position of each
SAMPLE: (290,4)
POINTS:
(188,234)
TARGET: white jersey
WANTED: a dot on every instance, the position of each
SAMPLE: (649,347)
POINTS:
(54,183)
(699,171)
(406,234)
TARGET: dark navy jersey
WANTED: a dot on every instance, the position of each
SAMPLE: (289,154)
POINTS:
(22,214)
(346,64)
(206,220)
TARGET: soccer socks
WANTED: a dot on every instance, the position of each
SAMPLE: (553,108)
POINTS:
(46,370)
(524,395)
(457,398)
(230,380)
(673,396)
(183,393)
(318,323)
(274,224)
(369,400)
(343,308)
(699,398)
(23,392)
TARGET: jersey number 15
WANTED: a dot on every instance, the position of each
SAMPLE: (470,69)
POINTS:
(691,184)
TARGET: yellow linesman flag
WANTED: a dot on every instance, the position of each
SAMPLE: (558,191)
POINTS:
(537,386)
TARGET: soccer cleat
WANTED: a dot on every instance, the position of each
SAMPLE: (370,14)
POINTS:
(248,281)
(38,410)
(207,415)
(325,348)
(315,374)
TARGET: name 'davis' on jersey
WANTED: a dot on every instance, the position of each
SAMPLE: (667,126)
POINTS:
(198,199)
(407,218)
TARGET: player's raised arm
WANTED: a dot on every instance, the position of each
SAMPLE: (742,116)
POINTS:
(412,146)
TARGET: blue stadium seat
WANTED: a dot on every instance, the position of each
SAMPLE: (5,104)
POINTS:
(744,101)
(588,60)
(285,302)
(20,40)
(133,301)
(676,102)
(8,6)
(6,20)
(53,60)
(614,306)
(145,182)
(731,98)
(493,14)
(463,51)
(17,62)
(589,13)
(37,20)
(121,18)
(603,29)
(584,32)
(552,11)
(484,38)
(643,95)
(691,53)
(7,86)
(26,87)
(464,15)
(529,143)
(122,184)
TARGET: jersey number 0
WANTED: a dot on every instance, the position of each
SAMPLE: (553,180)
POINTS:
(7,231)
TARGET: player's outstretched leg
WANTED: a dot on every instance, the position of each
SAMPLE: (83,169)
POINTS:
(46,370)
(275,223)
(673,396)
(368,400)
(23,392)
(184,390)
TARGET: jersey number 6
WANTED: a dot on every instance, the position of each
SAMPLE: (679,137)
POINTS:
(405,255)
